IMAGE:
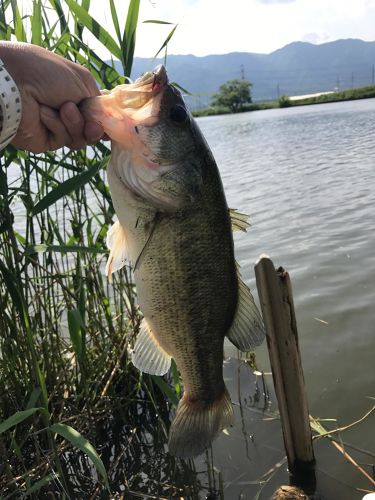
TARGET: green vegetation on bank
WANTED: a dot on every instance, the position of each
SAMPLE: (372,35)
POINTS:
(234,94)
(72,406)
(285,101)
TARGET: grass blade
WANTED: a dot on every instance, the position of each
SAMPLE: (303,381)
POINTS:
(155,21)
(77,440)
(67,187)
(166,41)
(63,249)
(40,484)
(17,418)
(96,29)
(36,24)
(128,43)
(19,29)
(183,90)
(56,5)
(115,20)
(165,389)
(76,326)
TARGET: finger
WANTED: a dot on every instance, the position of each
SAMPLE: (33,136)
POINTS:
(93,132)
(74,124)
(89,81)
(58,136)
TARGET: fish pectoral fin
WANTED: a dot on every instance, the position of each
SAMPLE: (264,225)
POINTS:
(116,242)
(239,221)
(148,356)
(247,330)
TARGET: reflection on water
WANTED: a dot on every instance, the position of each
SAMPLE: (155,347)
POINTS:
(307,176)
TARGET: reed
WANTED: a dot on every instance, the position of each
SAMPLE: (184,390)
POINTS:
(65,374)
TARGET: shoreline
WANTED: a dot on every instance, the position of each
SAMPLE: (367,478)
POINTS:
(354,94)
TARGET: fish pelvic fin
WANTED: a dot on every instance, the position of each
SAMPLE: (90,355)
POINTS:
(148,356)
(239,221)
(117,244)
(247,330)
(197,424)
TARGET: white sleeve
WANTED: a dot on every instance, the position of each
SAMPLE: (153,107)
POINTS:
(10,107)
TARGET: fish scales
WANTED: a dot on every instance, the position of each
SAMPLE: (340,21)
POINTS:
(187,288)
(175,227)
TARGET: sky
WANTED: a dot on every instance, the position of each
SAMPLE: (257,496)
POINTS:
(222,26)
(219,26)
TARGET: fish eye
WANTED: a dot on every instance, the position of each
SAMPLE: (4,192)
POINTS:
(178,113)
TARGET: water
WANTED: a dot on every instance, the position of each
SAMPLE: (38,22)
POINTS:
(307,176)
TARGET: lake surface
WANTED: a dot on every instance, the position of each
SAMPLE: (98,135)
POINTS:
(306,176)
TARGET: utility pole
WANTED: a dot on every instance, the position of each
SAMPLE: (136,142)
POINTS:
(373,74)
(242,72)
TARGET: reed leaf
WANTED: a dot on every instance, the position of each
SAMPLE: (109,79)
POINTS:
(115,20)
(77,440)
(36,23)
(76,327)
(156,21)
(67,187)
(63,249)
(19,29)
(166,41)
(166,389)
(18,417)
(96,29)
(40,484)
(128,43)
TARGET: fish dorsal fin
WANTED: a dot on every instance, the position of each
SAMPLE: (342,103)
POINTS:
(247,330)
(239,221)
(148,356)
(116,242)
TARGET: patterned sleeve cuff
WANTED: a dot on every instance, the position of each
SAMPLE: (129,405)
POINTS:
(10,107)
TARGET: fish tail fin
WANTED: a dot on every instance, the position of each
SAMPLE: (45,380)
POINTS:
(197,424)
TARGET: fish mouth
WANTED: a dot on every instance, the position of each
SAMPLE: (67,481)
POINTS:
(138,102)
(157,79)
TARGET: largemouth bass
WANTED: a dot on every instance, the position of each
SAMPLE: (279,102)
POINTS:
(175,227)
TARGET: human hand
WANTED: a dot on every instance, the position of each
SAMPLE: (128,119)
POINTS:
(51,87)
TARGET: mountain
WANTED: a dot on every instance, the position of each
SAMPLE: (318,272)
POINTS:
(298,68)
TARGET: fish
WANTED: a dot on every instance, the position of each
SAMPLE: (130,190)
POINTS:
(175,229)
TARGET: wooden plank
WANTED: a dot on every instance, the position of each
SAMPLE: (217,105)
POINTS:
(276,300)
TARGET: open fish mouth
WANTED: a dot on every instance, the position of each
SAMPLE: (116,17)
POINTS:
(139,101)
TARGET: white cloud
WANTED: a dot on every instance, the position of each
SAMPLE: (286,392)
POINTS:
(268,2)
(315,38)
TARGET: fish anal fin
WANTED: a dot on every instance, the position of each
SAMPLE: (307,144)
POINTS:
(247,330)
(117,243)
(148,356)
(239,221)
(197,424)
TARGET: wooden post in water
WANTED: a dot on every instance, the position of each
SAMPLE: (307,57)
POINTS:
(276,300)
